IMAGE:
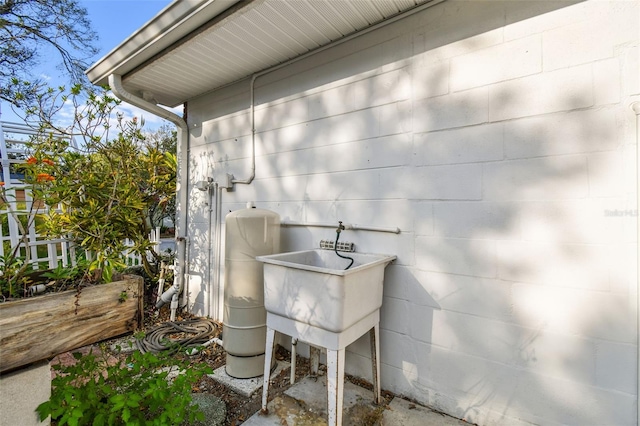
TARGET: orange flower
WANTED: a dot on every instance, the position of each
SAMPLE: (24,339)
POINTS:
(49,162)
(44,177)
(1,183)
(32,160)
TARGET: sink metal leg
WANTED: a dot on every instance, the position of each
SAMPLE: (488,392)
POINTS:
(292,375)
(271,334)
(374,337)
(335,384)
(314,360)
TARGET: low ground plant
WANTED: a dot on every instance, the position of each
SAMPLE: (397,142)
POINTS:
(136,391)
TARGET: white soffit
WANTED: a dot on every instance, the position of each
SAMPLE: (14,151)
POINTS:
(256,36)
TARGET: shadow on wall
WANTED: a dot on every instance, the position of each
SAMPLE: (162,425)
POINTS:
(510,295)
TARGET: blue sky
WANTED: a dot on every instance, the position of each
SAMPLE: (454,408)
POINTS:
(114,21)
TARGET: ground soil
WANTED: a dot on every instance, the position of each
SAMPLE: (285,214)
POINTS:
(238,407)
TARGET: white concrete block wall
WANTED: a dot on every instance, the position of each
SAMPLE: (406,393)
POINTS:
(497,137)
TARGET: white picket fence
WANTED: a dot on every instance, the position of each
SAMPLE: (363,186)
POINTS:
(43,252)
(133,259)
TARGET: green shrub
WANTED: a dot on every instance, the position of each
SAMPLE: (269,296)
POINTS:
(136,391)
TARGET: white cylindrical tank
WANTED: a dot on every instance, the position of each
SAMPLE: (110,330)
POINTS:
(250,232)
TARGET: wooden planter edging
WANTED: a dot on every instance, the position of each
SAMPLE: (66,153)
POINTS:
(39,328)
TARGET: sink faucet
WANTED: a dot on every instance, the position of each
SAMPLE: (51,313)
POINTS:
(335,247)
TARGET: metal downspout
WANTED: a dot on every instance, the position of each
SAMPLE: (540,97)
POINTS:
(115,82)
(636,109)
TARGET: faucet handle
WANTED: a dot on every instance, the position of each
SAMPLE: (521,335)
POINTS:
(340,227)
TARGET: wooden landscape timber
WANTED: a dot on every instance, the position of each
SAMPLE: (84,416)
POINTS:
(41,327)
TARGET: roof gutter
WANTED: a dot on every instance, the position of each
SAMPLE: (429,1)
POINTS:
(115,82)
(175,23)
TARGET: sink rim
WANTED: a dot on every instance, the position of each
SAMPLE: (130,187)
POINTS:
(275,259)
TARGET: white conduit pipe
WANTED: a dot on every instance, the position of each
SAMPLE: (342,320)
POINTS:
(337,42)
(635,106)
(347,226)
(211,193)
(115,83)
(214,295)
(218,251)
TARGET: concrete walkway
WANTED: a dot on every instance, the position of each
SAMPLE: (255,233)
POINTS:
(305,403)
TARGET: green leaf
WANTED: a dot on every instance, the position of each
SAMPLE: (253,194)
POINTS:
(133,401)
(99,420)
(122,397)
(43,410)
(126,415)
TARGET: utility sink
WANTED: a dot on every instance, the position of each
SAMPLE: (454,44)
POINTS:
(313,287)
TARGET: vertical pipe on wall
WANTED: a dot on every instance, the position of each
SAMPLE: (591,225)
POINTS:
(218,250)
(210,201)
(334,43)
(214,301)
(210,221)
(636,109)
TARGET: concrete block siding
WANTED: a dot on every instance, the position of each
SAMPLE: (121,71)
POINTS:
(497,136)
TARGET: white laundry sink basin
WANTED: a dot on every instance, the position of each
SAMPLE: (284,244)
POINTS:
(313,287)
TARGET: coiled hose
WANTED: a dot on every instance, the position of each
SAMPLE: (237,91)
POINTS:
(194,333)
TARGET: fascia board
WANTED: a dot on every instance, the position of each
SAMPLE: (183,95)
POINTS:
(173,23)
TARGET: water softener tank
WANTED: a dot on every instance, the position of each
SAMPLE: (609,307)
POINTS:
(250,232)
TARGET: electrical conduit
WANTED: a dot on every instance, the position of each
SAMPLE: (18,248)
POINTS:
(214,246)
(334,43)
(218,249)
(635,106)
(213,210)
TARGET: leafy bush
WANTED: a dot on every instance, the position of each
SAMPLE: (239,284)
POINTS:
(97,180)
(136,391)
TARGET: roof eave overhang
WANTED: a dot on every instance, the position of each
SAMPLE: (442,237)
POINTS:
(174,23)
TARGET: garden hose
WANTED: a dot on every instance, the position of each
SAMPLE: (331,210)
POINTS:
(193,333)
